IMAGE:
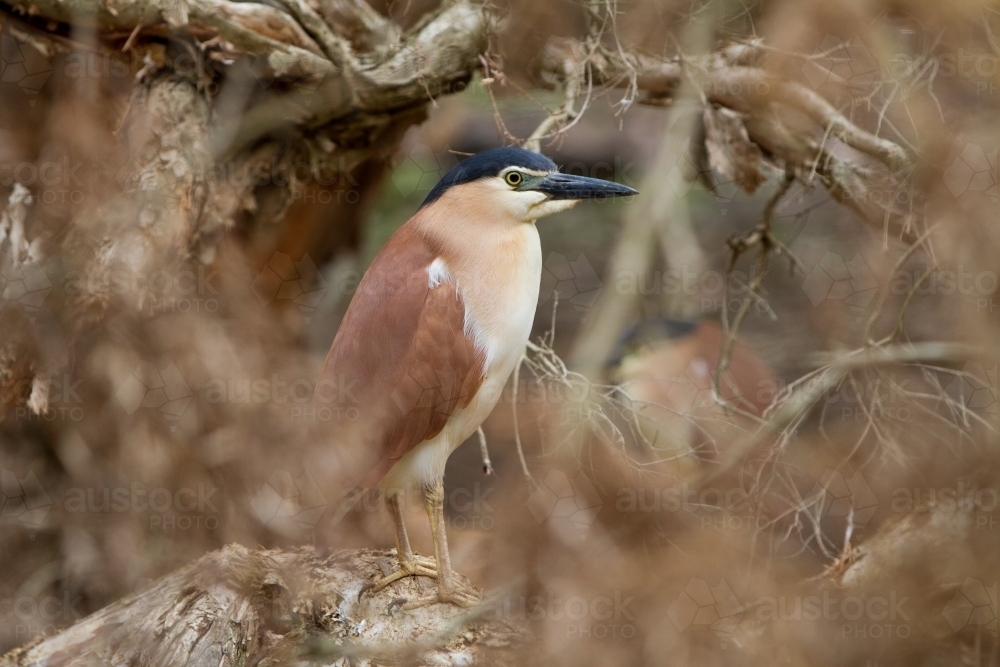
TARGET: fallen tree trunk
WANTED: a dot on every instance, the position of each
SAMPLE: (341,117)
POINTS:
(240,606)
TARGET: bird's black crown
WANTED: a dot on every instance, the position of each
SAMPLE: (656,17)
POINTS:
(489,163)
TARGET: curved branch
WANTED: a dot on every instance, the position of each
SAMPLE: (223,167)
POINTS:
(757,88)
(725,78)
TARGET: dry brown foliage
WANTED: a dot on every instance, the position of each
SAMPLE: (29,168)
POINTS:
(189,190)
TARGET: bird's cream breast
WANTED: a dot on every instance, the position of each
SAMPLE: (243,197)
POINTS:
(501,294)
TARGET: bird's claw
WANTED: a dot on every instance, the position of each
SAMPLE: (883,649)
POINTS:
(364,589)
(398,602)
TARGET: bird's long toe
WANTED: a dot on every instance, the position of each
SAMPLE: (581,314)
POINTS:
(417,566)
(425,562)
(460,595)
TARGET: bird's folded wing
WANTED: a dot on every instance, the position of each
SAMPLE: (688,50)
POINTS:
(403,353)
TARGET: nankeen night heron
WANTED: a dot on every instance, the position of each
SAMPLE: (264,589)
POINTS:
(437,324)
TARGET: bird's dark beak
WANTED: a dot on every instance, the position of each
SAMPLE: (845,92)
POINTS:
(569,186)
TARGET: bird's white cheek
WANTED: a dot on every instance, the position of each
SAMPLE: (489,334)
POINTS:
(550,206)
(522,204)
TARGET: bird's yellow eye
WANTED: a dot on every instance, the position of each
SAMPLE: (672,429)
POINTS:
(514,178)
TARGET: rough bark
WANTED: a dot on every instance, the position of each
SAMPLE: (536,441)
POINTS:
(240,606)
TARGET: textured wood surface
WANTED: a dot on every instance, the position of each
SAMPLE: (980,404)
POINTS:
(240,606)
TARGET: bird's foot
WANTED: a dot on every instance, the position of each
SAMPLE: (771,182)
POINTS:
(413,566)
(460,595)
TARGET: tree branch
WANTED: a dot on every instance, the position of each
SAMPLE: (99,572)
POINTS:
(243,606)
(725,78)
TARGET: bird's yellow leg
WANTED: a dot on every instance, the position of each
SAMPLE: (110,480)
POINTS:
(410,564)
(449,588)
